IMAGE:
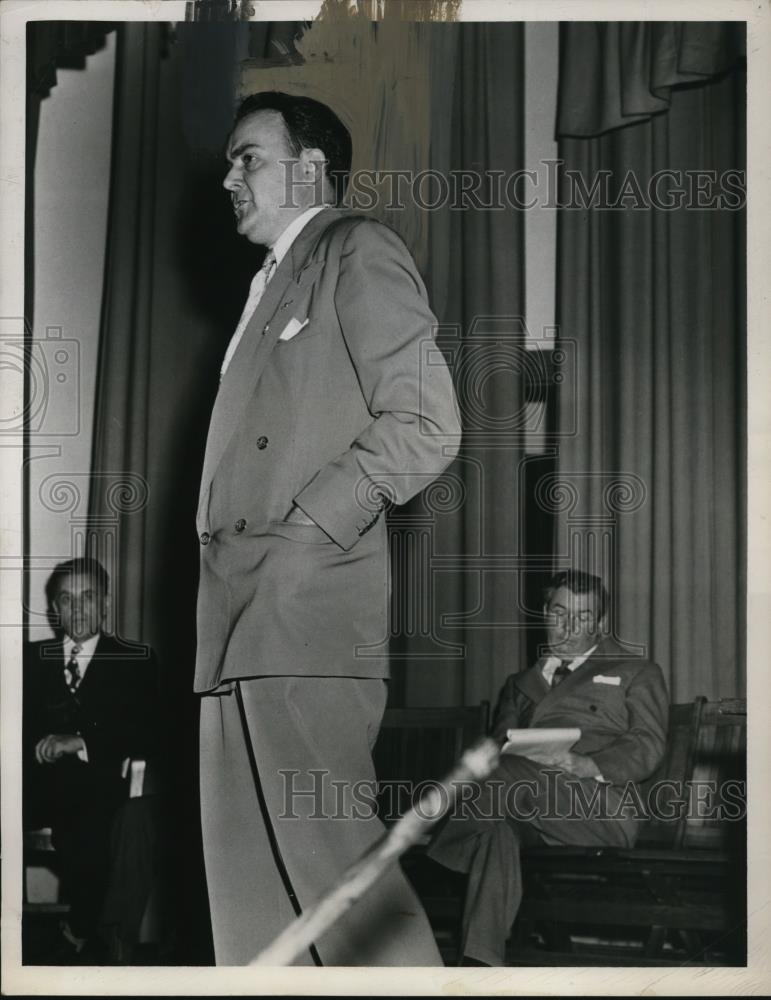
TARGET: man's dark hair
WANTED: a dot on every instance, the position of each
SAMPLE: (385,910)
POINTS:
(579,583)
(309,125)
(84,566)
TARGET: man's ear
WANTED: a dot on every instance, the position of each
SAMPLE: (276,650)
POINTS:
(313,162)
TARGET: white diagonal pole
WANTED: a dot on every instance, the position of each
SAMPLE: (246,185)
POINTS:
(476,764)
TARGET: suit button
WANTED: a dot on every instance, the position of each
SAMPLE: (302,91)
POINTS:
(240,524)
(262,443)
(205,538)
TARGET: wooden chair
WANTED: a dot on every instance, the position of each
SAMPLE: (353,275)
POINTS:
(578,899)
(41,875)
(418,745)
(684,879)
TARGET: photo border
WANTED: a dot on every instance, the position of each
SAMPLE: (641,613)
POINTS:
(184,980)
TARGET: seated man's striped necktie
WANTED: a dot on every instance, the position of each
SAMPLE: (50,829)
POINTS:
(73,669)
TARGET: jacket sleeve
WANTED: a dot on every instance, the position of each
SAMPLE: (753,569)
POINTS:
(388,329)
(507,712)
(636,754)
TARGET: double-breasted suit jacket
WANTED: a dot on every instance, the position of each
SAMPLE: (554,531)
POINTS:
(617,700)
(335,397)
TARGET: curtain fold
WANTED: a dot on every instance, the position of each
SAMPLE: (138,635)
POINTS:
(475,276)
(650,488)
(616,73)
(53,45)
(120,491)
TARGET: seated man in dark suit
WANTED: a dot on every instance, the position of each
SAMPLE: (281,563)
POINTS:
(576,797)
(90,702)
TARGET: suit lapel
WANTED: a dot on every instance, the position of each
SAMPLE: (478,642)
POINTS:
(532,684)
(52,660)
(292,277)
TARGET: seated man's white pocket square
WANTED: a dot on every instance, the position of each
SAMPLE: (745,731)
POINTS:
(602,679)
(292,328)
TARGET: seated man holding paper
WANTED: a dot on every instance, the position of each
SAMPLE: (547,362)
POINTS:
(577,730)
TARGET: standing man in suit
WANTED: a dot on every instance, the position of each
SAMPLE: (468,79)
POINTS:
(90,702)
(620,704)
(333,399)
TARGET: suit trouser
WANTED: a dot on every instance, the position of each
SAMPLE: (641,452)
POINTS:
(135,855)
(522,804)
(283,760)
(82,838)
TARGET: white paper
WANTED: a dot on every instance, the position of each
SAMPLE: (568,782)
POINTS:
(525,742)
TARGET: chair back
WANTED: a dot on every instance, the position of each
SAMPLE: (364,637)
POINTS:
(419,745)
(667,792)
(719,778)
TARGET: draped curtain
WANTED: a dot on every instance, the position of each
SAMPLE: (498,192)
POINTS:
(650,490)
(475,275)
(617,73)
(123,421)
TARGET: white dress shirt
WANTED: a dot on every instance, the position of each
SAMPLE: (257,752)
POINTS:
(281,247)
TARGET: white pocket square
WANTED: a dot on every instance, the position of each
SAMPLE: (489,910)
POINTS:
(602,679)
(292,328)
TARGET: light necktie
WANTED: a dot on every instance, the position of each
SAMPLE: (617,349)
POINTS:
(74,669)
(560,674)
(257,287)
